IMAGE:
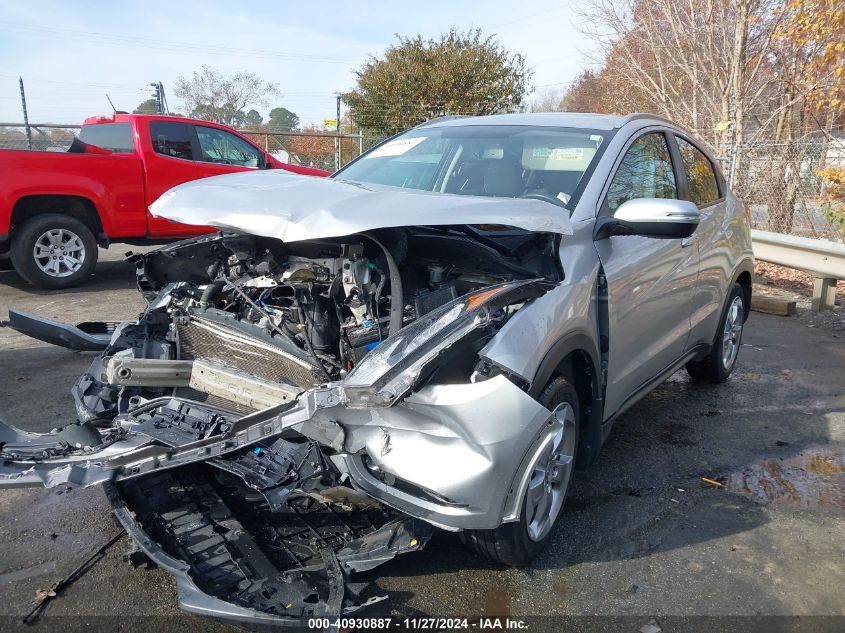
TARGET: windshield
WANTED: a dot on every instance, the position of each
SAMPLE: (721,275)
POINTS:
(513,161)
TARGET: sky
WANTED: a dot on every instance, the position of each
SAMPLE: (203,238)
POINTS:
(72,53)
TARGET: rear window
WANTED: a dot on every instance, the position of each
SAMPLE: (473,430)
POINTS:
(172,139)
(116,137)
(703,186)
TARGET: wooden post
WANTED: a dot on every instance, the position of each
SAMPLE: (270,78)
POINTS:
(824,294)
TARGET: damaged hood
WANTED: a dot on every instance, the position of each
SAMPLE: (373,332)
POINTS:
(293,208)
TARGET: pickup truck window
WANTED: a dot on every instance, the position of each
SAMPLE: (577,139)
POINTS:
(217,146)
(116,137)
(172,139)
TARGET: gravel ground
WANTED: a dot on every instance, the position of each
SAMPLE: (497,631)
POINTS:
(642,536)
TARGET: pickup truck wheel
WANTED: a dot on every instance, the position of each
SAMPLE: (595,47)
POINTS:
(54,251)
(719,363)
(516,543)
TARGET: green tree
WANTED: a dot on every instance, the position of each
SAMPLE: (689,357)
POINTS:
(417,79)
(150,106)
(252,119)
(213,96)
(283,120)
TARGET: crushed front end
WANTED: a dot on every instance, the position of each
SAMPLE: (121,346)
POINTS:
(282,416)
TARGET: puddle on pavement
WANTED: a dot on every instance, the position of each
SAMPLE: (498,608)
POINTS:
(815,478)
(497,603)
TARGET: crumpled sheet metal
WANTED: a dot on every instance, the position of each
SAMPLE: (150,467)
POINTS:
(292,208)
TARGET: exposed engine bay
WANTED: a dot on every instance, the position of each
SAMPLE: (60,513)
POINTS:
(271,423)
(328,303)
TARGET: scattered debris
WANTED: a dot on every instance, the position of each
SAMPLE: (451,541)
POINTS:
(632,589)
(42,596)
(712,482)
(781,443)
(651,627)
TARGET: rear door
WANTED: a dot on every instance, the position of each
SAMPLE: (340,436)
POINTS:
(183,151)
(707,190)
(650,280)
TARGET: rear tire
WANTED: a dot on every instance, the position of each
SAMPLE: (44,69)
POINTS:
(516,543)
(720,361)
(54,251)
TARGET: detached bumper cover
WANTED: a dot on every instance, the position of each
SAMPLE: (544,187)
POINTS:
(83,337)
(231,559)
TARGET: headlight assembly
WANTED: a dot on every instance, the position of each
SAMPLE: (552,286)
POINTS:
(390,370)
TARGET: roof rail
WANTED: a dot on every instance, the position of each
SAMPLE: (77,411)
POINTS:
(447,117)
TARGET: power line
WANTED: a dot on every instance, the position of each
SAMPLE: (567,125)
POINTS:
(143,42)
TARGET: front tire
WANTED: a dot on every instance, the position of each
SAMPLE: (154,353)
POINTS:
(54,251)
(515,544)
(720,361)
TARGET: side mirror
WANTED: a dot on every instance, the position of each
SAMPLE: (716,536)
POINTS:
(650,217)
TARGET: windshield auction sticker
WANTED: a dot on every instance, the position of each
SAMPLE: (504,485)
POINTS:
(396,147)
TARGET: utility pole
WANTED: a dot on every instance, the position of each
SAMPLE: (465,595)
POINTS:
(26,116)
(158,97)
(337,138)
(165,109)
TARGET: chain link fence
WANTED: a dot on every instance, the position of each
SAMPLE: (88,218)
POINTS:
(312,149)
(44,137)
(781,185)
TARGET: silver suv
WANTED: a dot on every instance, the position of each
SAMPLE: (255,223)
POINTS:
(436,336)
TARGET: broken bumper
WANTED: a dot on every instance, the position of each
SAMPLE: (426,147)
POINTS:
(446,454)
(230,560)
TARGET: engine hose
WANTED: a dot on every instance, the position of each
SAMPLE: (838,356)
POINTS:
(211,291)
(396,294)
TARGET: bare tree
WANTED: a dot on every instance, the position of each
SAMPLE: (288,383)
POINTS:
(696,61)
(548,100)
(211,95)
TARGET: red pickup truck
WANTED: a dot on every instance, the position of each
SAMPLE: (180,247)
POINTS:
(55,208)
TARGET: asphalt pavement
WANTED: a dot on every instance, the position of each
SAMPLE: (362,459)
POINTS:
(643,537)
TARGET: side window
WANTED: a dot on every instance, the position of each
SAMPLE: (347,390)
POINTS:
(217,146)
(703,187)
(645,172)
(172,139)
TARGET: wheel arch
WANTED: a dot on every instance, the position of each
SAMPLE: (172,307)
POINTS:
(79,207)
(576,358)
(744,276)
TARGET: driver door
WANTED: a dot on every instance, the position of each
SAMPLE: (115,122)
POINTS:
(650,280)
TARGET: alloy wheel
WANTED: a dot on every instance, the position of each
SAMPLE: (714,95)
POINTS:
(59,252)
(732,333)
(550,475)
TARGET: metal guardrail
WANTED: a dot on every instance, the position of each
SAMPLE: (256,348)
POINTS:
(822,259)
